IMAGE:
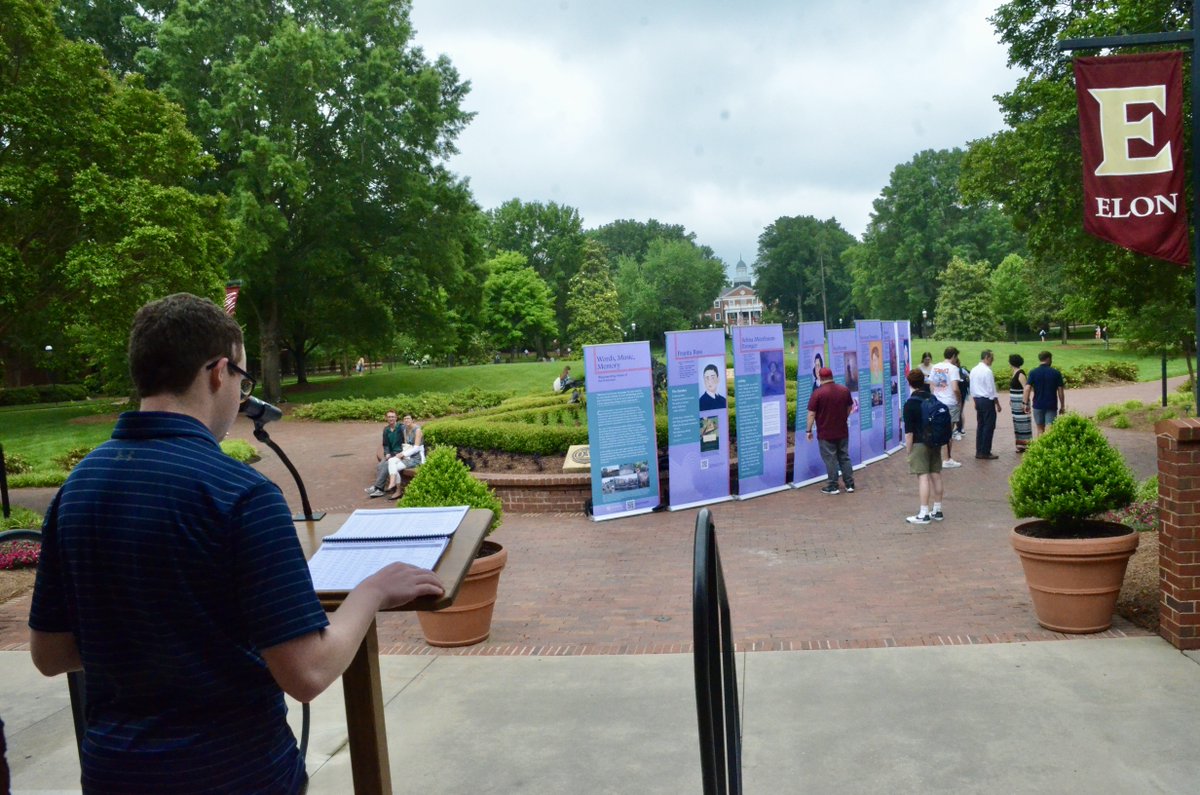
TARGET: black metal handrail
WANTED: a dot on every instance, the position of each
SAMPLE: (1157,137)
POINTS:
(716,670)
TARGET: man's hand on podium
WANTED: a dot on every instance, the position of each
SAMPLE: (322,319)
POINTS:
(400,583)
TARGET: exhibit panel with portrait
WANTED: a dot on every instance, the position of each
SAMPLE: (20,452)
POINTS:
(843,346)
(871,397)
(807,466)
(697,418)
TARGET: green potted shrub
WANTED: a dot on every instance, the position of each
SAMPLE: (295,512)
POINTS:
(1074,564)
(444,480)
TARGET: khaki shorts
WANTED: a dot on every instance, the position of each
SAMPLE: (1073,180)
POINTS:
(924,460)
(955,413)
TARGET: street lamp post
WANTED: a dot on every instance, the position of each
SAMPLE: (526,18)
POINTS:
(50,367)
(633,330)
(924,317)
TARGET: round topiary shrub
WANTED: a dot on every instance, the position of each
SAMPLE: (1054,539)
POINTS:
(443,480)
(1069,474)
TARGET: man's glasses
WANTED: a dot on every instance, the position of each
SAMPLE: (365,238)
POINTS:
(248,381)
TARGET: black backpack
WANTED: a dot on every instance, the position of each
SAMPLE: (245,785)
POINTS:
(936,426)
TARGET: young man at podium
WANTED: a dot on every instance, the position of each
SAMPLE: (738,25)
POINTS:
(172,576)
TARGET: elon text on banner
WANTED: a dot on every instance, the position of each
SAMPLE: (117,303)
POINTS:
(1131,132)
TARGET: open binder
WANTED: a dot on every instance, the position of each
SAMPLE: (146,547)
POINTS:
(373,539)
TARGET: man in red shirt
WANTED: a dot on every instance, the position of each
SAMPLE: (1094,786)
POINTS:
(829,408)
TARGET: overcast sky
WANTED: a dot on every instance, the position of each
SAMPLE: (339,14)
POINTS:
(720,116)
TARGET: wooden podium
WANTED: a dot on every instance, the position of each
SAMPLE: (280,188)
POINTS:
(361,686)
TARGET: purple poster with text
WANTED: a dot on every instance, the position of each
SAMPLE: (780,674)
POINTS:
(697,418)
(807,466)
(870,389)
(904,341)
(761,400)
(843,360)
(621,438)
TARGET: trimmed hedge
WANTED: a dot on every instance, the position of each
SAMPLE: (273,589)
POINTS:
(42,393)
(1100,373)
(421,406)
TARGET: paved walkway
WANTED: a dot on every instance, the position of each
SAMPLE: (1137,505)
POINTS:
(804,570)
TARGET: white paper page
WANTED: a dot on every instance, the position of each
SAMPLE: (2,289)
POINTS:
(340,567)
(400,523)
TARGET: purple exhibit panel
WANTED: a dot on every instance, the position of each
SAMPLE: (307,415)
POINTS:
(622,443)
(870,389)
(808,466)
(843,360)
(904,341)
(891,390)
(697,418)
(760,390)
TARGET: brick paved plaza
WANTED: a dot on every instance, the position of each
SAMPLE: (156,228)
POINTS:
(804,569)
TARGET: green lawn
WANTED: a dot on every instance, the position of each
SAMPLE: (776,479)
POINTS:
(521,378)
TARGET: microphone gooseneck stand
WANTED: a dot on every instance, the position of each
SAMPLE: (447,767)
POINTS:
(261,434)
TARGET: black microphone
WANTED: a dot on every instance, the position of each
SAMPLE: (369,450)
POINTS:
(260,411)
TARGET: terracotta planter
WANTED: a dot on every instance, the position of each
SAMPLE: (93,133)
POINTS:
(469,619)
(1075,582)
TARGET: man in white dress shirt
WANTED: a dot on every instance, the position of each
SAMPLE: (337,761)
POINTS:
(987,405)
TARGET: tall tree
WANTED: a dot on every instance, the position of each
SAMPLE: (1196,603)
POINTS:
(1032,168)
(592,301)
(97,209)
(331,131)
(800,269)
(964,303)
(629,238)
(669,288)
(1011,294)
(920,221)
(549,236)
(518,308)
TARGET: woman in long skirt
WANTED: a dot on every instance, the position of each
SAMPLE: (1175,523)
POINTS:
(1022,428)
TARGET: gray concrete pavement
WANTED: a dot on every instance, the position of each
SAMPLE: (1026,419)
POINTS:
(1087,715)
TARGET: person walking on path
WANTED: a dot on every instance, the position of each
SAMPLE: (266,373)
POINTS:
(829,409)
(1022,427)
(171,575)
(1045,393)
(943,383)
(923,461)
(987,405)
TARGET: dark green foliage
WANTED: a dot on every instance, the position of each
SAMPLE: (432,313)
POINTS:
(443,480)
(423,405)
(800,268)
(43,393)
(964,305)
(1070,473)
(1099,373)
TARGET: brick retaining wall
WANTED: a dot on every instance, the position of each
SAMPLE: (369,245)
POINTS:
(1179,531)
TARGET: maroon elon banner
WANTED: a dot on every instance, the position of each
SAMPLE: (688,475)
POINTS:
(1131,129)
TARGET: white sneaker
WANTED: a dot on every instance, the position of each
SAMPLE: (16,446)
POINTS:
(950,463)
(920,518)
(957,436)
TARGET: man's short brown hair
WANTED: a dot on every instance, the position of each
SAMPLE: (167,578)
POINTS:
(173,337)
(916,379)
(950,352)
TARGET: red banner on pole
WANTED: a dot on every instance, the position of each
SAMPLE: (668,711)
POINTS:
(231,296)
(1131,128)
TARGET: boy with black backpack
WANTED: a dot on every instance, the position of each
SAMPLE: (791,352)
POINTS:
(927,426)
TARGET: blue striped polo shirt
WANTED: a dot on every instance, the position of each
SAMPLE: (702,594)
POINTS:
(174,565)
